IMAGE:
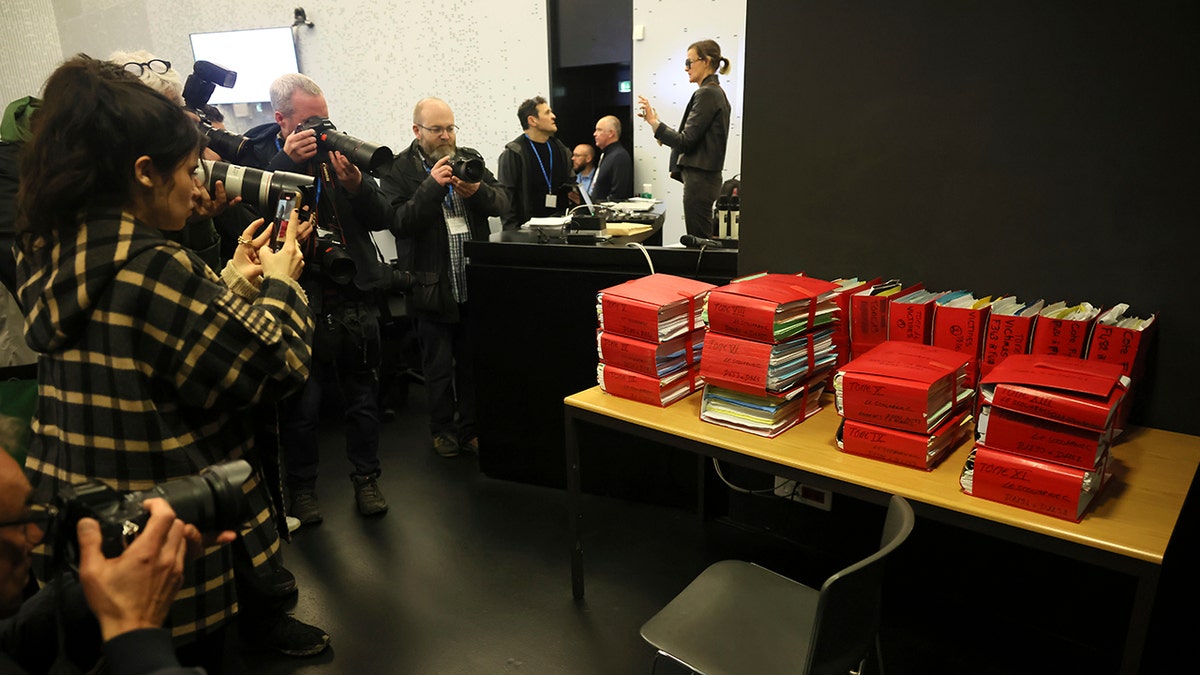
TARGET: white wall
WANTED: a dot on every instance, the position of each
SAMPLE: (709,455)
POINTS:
(658,74)
(374,60)
(29,48)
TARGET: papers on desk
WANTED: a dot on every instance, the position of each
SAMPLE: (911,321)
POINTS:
(631,205)
(766,415)
(548,223)
(626,229)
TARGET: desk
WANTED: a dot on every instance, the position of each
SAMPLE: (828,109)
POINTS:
(1126,530)
(524,235)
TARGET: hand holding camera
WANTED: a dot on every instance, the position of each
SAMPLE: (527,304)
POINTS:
(135,589)
(301,145)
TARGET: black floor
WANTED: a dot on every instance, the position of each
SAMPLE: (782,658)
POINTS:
(468,574)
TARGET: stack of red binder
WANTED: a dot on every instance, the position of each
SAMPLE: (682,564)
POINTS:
(1044,432)
(650,338)
(904,403)
(768,348)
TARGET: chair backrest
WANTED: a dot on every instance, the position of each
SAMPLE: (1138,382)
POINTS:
(848,609)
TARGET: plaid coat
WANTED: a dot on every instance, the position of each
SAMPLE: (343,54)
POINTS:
(148,365)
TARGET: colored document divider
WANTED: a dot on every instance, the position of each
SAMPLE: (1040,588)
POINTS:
(1031,484)
(654,308)
(869,314)
(1057,388)
(1063,336)
(766,415)
(657,391)
(655,359)
(904,386)
(760,368)
(772,307)
(962,329)
(1042,439)
(921,451)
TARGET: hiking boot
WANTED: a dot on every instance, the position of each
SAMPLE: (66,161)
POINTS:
(445,445)
(471,446)
(293,637)
(366,493)
(305,507)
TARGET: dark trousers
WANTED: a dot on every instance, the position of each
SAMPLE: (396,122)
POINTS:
(700,191)
(446,362)
(354,372)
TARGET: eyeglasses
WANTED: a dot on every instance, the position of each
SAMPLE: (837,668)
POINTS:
(687,63)
(35,514)
(438,131)
(153,65)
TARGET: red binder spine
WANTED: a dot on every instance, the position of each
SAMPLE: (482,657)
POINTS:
(629,317)
(901,447)
(624,352)
(1060,337)
(735,363)
(962,329)
(1006,335)
(911,322)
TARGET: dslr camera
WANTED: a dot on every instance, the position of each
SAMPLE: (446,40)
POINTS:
(212,501)
(196,91)
(398,281)
(364,155)
(467,168)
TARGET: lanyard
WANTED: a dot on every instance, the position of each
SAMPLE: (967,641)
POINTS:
(448,202)
(549,185)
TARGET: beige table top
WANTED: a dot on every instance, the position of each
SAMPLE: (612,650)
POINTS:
(1133,516)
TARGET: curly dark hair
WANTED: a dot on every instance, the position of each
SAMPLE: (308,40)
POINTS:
(528,108)
(96,119)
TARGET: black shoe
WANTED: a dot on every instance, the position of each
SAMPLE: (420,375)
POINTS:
(305,507)
(280,583)
(293,637)
(445,445)
(366,493)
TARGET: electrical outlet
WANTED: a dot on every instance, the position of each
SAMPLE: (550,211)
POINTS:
(805,494)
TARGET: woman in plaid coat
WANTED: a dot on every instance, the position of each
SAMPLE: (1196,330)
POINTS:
(148,362)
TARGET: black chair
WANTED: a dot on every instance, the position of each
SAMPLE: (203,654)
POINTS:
(737,618)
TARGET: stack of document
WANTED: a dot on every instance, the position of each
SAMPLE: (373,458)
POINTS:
(765,415)
(768,349)
(650,338)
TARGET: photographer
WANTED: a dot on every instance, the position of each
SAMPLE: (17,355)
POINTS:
(129,596)
(434,210)
(346,347)
(147,360)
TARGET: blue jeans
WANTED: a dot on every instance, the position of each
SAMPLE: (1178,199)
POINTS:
(353,371)
(447,364)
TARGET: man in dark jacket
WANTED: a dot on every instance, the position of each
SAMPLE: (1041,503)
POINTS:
(535,167)
(613,181)
(432,213)
(346,346)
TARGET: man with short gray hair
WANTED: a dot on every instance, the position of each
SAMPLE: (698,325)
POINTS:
(613,181)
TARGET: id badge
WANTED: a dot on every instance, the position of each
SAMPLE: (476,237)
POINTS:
(551,201)
(457,225)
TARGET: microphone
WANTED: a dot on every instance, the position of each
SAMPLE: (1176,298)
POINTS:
(692,241)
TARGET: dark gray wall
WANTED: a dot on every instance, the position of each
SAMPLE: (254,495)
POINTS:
(1043,149)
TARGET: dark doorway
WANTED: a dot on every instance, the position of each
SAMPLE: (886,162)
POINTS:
(591,67)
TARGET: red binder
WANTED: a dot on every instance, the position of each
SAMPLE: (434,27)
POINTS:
(962,329)
(1030,436)
(841,330)
(869,315)
(1032,484)
(1062,337)
(661,392)
(1009,329)
(921,451)
(904,386)
(910,317)
(649,358)
(756,308)
(1057,388)
(653,308)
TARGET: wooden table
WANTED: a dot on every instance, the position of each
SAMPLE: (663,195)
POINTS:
(1126,528)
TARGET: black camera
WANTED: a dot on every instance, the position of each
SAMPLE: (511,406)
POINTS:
(397,280)
(364,155)
(205,77)
(258,189)
(466,168)
(212,501)
(332,259)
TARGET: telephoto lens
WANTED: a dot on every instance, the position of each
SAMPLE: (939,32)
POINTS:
(259,189)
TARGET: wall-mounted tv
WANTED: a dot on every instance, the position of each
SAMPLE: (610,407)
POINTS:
(258,56)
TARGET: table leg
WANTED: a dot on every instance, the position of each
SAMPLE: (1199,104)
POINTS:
(1139,619)
(573,512)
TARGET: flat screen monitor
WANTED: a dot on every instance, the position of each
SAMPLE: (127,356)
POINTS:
(258,56)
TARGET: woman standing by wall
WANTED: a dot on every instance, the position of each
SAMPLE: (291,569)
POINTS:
(698,147)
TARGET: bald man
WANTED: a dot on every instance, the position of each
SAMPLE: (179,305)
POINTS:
(432,212)
(613,181)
